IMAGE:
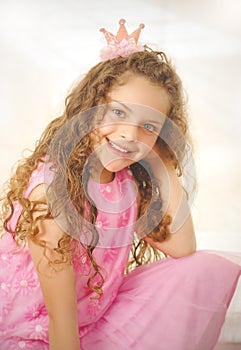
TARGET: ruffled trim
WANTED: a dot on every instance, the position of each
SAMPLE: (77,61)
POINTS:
(124,49)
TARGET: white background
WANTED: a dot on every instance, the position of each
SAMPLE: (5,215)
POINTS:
(46,45)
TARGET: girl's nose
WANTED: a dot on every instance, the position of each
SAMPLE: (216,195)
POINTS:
(129,132)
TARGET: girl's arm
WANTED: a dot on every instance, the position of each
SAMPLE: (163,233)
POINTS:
(58,287)
(182,241)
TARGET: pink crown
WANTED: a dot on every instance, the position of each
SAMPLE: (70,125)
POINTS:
(122,44)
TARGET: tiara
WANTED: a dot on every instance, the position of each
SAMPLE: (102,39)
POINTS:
(122,44)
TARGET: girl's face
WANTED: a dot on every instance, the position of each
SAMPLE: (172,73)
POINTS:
(131,124)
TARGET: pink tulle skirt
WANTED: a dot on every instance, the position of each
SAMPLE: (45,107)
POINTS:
(173,304)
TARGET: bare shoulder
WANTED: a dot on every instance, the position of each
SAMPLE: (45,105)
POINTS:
(38,194)
(49,230)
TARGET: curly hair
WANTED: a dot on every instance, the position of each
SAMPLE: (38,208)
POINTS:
(92,91)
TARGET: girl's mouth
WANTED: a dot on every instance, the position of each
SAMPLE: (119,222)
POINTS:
(118,148)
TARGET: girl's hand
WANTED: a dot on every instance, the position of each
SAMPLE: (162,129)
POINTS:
(182,241)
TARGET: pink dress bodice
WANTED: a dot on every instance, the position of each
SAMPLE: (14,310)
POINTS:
(19,285)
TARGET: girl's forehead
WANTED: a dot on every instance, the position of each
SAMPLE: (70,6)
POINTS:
(139,90)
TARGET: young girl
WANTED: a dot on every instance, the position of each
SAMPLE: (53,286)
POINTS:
(99,197)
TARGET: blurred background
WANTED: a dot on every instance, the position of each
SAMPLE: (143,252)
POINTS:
(45,46)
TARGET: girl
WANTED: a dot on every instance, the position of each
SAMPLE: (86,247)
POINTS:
(99,197)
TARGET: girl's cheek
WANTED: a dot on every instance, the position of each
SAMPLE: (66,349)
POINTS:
(149,141)
(106,129)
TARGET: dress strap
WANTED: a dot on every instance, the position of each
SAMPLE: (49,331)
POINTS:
(37,178)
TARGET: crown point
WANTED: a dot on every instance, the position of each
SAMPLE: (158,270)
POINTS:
(122,21)
(121,44)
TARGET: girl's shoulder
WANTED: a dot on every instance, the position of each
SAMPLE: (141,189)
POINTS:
(40,176)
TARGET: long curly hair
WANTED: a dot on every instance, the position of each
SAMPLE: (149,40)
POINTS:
(92,91)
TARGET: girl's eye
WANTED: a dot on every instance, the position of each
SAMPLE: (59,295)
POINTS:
(119,113)
(149,127)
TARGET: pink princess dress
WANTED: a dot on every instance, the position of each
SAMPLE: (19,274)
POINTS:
(173,304)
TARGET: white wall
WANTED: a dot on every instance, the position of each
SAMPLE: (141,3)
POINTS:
(46,45)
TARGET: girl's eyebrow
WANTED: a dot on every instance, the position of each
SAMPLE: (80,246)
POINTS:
(123,105)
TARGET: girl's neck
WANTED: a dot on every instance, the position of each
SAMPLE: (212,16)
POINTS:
(103,176)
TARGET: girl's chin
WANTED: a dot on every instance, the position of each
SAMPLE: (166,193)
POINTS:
(117,165)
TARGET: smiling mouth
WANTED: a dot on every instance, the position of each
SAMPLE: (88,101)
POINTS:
(118,148)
